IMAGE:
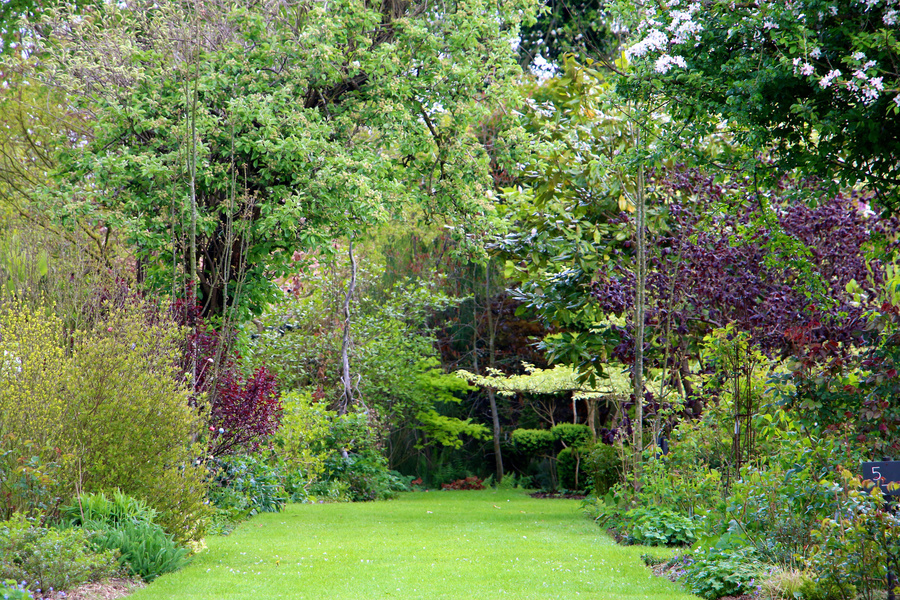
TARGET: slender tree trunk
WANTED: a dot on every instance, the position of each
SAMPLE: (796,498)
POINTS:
(639,305)
(498,458)
(347,398)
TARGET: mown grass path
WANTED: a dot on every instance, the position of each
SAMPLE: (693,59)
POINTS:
(434,545)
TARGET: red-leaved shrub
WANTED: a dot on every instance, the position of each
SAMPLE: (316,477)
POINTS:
(243,412)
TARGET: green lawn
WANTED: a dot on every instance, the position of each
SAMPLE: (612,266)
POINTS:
(431,545)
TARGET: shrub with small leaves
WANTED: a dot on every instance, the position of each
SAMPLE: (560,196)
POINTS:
(31,478)
(603,466)
(48,558)
(572,435)
(853,548)
(570,468)
(533,442)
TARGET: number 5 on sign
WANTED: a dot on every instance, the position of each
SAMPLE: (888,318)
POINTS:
(885,474)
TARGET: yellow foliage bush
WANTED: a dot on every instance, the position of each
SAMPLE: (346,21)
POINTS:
(112,398)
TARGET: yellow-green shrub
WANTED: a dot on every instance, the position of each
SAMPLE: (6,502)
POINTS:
(304,426)
(32,362)
(114,401)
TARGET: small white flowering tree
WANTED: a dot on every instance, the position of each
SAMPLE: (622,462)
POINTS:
(815,83)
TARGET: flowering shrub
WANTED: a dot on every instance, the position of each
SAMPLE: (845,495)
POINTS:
(10,590)
(783,72)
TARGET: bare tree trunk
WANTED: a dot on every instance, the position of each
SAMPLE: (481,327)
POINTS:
(347,398)
(498,458)
(639,305)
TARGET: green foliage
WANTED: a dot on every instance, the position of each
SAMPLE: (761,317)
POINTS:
(145,549)
(603,465)
(29,484)
(658,526)
(570,468)
(10,590)
(300,127)
(365,476)
(50,559)
(246,485)
(778,505)
(713,573)
(113,510)
(853,547)
(807,80)
(125,525)
(392,357)
(300,442)
(689,488)
(571,435)
(448,431)
(533,442)
(109,397)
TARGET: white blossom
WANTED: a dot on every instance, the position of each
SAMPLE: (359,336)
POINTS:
(770,24)
(826,81)
(655,40)
(665,63)
(870,93)
(859,56)
(890,17)
(807,69)
(815,52)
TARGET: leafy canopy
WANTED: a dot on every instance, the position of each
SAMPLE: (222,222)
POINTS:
(301,121)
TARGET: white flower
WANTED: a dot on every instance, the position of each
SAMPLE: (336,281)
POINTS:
(870,94)
(770,24)
(665,63)
(655,40)
(815,52)
(890,17)
(897,100)
(807,69)
(859,56)
(826,81)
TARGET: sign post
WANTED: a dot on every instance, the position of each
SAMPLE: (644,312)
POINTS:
(883,474)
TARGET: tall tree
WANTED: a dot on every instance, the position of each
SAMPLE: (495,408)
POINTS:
(311,121)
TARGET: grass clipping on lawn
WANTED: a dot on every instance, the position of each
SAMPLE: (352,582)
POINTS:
(436,545)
